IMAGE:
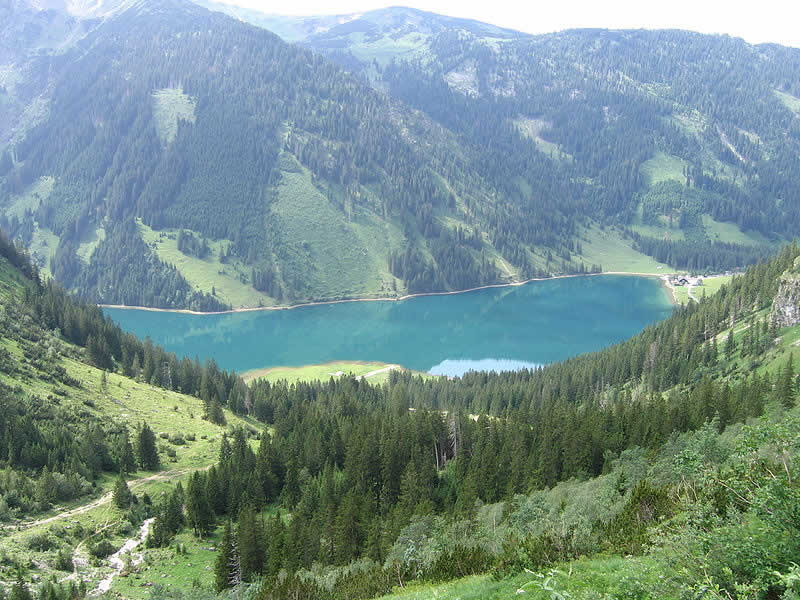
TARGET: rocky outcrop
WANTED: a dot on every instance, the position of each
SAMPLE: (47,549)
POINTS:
(786,305)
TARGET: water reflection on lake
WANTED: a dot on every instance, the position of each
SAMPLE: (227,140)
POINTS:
(494,329)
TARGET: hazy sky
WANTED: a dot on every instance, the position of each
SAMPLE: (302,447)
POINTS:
(756,21)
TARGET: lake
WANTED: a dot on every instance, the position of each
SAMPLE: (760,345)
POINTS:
(492,329)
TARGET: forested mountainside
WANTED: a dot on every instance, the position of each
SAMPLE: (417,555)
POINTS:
(661,131)
(354,490)
(236,170)
(171,117)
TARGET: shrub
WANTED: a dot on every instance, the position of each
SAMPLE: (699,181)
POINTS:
(41,542)
(460,561)
(533,553)
(63,561)
(102,549)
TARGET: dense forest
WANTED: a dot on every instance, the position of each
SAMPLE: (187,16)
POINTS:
(370,487)
(602,103)
(378,486)
(515,150)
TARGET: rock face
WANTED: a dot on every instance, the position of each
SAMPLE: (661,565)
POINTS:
(786,306)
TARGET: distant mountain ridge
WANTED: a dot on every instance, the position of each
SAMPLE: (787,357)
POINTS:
(393,20)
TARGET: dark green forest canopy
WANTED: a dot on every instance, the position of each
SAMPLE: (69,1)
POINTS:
(359,466)
(367,472)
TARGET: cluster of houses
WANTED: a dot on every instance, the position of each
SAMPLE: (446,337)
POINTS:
(679,280)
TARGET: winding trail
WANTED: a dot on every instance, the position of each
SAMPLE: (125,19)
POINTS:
(379,371)
(117,563)
(104,499)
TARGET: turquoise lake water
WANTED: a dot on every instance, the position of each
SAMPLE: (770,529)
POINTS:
(495,329)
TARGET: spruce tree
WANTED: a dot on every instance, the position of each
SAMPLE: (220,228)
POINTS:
(785,386)
(146,451)
(214,413)
(198,510)
(251,543)
(122,495)
(226,568)
(20,590)
(127,457)
(275,536)
(730,345)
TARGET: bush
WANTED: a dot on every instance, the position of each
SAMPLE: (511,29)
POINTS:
(41,542)
(533,553)
(102,549)
(458,562)
(363,583)
(63,561)
(628,532)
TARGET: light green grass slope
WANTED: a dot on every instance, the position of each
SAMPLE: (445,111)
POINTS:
(171,105)
(230,281)
(610,250)
(341,256)
(589,578)
(663,167)
(124,400)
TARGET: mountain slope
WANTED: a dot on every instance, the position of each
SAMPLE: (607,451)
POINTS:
(616,470)
(637,116)
(190,120)
(72,417)
(204,163)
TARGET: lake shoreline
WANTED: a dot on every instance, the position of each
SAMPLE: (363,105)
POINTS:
(663,277)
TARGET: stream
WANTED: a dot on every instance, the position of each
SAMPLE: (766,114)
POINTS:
(117,562)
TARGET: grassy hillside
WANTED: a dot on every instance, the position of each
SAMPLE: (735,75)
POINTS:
(48,516)
(228,281)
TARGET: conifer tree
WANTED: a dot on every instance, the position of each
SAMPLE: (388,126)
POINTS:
(226,568)
(275,540)
(785,386)
(19,590)
(251,544)
(198,510)
(122,495)
(127,457)
(46,487)
(146,451)
(730,345)
(214,413)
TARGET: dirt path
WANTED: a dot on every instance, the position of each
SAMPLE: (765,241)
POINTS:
(117,562)
(105,498)
(379,371)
